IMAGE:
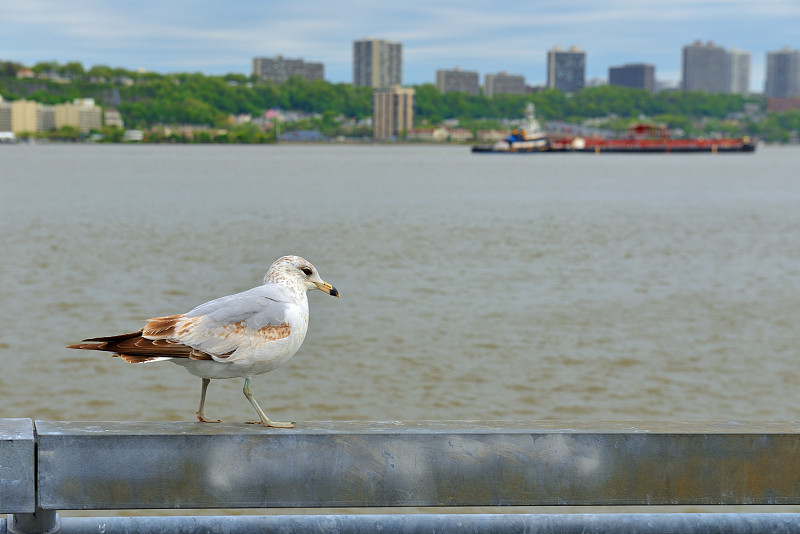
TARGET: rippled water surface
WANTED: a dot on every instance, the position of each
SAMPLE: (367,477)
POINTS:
(473,286)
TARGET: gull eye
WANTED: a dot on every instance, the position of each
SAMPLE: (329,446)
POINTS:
(306,271)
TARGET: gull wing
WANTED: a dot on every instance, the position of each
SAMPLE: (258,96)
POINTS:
(214,330)
(259,315)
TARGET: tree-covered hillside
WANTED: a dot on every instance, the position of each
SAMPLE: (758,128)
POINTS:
(146,99)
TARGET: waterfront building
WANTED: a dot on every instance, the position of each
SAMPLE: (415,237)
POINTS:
(430,135)
(377,63)
(133,136)
(5,115)
(503,83)
(279,69)
(457,80)
(29,116)
(783,74)
(636,75)
(24,115)
(460,135)
(82,113)
(112,117)
(392,112)
(566,69)
(46,118)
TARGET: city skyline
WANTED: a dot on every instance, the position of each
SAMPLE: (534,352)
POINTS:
(212,38)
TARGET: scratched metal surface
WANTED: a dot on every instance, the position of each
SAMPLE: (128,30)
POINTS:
(185,465)
(16,466)
(638,523)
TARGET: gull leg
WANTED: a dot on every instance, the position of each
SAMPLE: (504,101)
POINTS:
(200,417)
(264,419)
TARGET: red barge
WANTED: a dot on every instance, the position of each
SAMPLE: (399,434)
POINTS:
(641,139)
(649,138)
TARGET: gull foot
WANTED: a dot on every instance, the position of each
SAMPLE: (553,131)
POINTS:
(204,420)
(273,424)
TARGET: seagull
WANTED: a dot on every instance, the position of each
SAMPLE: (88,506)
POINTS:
(236,336)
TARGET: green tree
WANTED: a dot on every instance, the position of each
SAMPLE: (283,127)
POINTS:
(73,68)
(66,133)
(45,66)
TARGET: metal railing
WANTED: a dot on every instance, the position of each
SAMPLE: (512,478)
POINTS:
(48,466)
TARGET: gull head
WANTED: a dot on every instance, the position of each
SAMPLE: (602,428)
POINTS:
(298,272)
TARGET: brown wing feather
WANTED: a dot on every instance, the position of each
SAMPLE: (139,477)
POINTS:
(135,348)
(162,327)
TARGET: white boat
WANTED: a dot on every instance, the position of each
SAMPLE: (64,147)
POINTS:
(530,138)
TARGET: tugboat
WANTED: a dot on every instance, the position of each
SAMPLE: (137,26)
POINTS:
(531,138)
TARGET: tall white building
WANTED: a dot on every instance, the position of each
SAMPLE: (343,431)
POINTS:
(377,63)
(783,74)
(712,69)
(739,62)
(704,68)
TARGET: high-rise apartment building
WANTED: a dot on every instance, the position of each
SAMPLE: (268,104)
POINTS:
(636,75)
(712,69)
(739,62)
(703,68)
(279,69)
(464,81)
(503,83)
(566,69)
(377,63)
(783,74)
(392,111)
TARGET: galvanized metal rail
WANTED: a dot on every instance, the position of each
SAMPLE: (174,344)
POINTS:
(50,466)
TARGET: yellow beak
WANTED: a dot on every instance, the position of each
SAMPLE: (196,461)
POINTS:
(327,288)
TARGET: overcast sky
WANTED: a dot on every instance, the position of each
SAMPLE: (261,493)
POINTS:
(220,37)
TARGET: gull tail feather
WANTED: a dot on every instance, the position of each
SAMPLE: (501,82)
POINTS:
(133,348)
(102,343)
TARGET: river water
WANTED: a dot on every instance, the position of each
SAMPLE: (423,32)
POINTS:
(553,286)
